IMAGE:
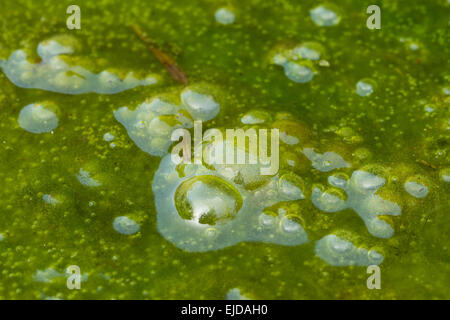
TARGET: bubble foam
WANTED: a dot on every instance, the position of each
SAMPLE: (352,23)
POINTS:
(325,162)
(337,251)
(324,16)
(151,124)
(361,197)
(54,74)
(202,209)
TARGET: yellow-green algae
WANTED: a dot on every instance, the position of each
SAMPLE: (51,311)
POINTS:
(388,134)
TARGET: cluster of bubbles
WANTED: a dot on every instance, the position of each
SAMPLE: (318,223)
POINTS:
(325,16)
(361,197)
(337,251)
(49,275)
(53,73)
(151,124)
(109,137)
(202,207)
(50,199)
(299,62)
(209,206)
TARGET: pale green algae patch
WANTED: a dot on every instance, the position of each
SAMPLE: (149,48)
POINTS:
(388,134)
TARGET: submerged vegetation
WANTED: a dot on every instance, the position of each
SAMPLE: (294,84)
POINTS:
(364,170)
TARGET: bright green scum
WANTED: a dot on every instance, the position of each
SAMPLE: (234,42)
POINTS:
(397,129)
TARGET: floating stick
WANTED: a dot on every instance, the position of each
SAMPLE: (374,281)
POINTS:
(168,63)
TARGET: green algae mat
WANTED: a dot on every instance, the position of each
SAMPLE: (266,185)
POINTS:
(344,110)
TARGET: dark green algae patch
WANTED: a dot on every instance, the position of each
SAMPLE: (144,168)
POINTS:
(389,133)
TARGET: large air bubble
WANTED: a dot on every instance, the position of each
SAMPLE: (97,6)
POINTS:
(207,200)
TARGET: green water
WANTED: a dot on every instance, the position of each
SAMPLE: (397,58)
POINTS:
(391,127)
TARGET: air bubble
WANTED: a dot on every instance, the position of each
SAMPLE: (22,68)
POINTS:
(84,177)
(108,137)
(200,106)
(36,118)
(325,162)
(207,200)
(298,73)
(267,220)
(224,16)
(290,226)
(364,88)
(50,200)
(290,186)
(324,16)
(416,189)
(125,225)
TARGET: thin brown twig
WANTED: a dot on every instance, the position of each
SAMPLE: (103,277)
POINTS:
(427,164)
(176,73)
